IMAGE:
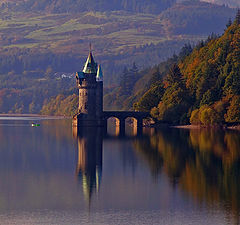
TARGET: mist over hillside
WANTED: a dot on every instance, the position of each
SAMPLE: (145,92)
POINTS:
(230,3)
(195,17)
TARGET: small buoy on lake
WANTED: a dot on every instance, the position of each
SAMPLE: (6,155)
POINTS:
(35,125)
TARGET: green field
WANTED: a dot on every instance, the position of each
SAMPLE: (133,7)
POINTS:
(71,33)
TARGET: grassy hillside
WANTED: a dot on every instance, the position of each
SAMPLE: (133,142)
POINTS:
(111,32)
(73,6)
(118,37)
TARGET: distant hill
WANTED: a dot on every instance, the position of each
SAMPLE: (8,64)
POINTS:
(230,3)
(195,17)
(67,6)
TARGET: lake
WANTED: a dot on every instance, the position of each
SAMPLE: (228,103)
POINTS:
(53,174)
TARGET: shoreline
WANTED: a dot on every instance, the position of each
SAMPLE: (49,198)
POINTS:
(198,127)
(187,127)
(33,115)
(195,127)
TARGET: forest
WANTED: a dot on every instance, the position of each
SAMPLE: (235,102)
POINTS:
(203,87)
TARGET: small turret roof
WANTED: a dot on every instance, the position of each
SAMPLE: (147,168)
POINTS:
(90,65)
(99,76)
(79,75)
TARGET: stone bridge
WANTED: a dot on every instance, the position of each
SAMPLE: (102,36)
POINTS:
(123,115)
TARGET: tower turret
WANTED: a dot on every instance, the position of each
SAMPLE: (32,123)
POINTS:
(99,74)
(99,97)
(90,65)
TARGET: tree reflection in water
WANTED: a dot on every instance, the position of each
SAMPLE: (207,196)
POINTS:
(203,163)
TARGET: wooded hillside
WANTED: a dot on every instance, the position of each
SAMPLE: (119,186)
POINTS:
(204,87)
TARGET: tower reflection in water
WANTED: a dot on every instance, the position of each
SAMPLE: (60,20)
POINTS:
(89,159)
(89,155)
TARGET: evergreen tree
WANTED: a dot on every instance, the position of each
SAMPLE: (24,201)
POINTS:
(127,82)
(133,75)
(128,79)
(123,81)
(185,51)
(174,76)
(229,23)
(237,20)
(134,68)
(151,98)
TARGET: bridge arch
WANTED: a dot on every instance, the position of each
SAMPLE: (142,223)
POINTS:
(132,122)
(123,115)
(115,129)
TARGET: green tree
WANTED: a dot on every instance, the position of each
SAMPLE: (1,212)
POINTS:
(194,119)
(207,115)
(229,23)
(237,20)
(127,81)
(233,112)
(150,99)
(175,101)
(174,76)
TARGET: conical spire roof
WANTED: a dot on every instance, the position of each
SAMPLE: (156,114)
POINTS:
(99,76)
(90,65)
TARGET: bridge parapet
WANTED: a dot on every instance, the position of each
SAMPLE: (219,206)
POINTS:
(125,114)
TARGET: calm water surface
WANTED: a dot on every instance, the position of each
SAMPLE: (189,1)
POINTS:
(54,175)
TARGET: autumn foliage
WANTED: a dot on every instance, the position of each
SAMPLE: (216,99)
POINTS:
(204,87)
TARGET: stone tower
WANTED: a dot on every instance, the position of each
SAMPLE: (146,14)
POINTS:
(90,85)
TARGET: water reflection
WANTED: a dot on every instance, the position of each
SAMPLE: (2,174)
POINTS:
(89,156)
(89,160)
(169,174)
(205,164)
